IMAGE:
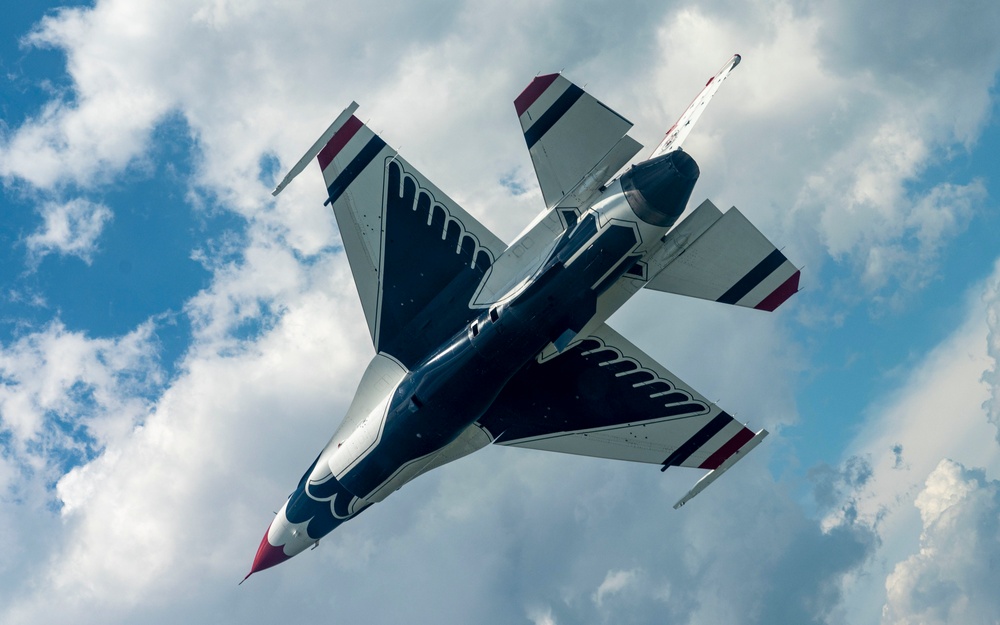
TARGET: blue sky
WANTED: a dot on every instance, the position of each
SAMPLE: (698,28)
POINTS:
(175,344)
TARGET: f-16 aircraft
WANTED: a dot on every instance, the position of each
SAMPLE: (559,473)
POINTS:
(480,342)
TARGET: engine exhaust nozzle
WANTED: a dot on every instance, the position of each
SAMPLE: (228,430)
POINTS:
(659,189)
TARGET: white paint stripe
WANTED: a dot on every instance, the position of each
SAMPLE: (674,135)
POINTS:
(316,147)
(768,285)
(544,102)
(713,444)
(346,155)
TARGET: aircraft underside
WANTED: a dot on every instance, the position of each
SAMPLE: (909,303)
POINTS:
(479,342)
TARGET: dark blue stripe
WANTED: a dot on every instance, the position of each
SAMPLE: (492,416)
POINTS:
(684,452)
(756,275)
(553,115)
(356,166)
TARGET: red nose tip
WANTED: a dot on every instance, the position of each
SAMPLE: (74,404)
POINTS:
(267,556)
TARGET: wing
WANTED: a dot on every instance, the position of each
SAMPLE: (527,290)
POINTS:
(723,258)
(576,142)
(604,397)
(682,128)
(417,256)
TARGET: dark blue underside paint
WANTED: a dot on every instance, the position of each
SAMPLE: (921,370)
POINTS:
(455,375)
(454,386)
(575,392)
(428,275)
(323,504)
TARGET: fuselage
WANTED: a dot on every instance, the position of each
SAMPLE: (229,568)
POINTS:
(439,399)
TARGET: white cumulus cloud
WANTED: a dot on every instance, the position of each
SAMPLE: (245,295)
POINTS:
(991,376)
(937,413)
(69,229)
(953,578)
(613,583)
(64,392)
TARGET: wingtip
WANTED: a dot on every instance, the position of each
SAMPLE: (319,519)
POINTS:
(781,294)
(316,147)
(707,479)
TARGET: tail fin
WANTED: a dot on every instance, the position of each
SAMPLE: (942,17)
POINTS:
(680,130)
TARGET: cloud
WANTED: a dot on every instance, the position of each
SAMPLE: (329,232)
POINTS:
(836,487)
(102,124)
(851,148)
(953,577)
(917,438)
(69,229)
(541,616)
(66,401)
(613,583)
(64,396)
(218,429)
(991,376)
(831,144)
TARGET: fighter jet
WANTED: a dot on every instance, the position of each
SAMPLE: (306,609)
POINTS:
(479,342)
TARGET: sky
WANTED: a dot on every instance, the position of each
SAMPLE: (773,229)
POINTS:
(176,345)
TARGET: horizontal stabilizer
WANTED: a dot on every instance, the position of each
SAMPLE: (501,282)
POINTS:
(715,474)
(723,258)
(576,142)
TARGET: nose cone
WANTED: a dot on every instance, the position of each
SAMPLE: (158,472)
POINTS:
(659,189)
(281,541)
(267,556)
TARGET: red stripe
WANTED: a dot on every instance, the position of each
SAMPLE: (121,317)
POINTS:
(338,141)
(727,450)
(780,294)
(532,91)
